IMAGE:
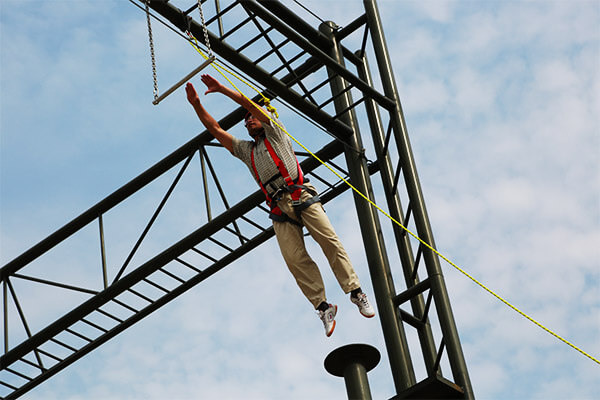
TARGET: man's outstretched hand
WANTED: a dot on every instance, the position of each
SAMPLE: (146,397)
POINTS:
(212,85)
(192,95)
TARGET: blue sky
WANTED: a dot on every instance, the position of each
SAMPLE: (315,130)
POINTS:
(502,104)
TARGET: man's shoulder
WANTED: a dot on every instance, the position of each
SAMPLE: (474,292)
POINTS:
(242,142)
(274,126)
(242,148)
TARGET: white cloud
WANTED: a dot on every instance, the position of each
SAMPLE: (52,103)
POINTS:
(439,11)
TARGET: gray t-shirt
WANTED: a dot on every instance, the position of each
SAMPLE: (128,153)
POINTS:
(265,165)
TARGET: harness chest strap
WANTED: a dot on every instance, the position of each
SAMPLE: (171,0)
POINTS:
(295,188)
(285,174)
(262,187)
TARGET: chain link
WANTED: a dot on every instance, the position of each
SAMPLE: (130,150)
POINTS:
(206,41)
(147,2)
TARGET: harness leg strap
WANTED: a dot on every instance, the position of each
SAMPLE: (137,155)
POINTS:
(284,218)
(298,208)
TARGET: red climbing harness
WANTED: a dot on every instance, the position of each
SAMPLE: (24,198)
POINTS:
(293,187)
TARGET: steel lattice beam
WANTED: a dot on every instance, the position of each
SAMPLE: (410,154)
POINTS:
(141,273)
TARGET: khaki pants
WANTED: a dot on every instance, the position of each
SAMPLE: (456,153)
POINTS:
(300,264)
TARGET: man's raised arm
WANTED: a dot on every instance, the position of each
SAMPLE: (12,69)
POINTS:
(214,86)
(224,137)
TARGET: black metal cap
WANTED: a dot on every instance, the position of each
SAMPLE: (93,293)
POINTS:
(364,354)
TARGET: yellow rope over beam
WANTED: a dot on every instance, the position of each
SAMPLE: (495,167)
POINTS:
(218,68)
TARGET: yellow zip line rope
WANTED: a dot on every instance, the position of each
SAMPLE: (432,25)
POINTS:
(266,101)
(217,67)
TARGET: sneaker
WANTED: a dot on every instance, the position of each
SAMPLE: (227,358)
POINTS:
(328,318)
(365,308)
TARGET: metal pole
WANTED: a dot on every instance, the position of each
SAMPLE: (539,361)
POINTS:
(438,287)
(184,80)
(353,361)
(205,184)
(393,331)
(357,384)
(103,251)
(395,209)
(5,302)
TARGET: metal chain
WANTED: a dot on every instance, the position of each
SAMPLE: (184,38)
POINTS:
(206,41)
(147,2)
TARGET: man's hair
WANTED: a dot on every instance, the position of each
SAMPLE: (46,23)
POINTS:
(248,115)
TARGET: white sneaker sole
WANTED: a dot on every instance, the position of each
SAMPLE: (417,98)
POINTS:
(330,332)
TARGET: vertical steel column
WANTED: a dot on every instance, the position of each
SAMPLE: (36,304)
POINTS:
(438,286)
(393,331)
(395,209)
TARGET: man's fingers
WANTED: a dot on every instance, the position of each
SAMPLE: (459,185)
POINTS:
(191,92)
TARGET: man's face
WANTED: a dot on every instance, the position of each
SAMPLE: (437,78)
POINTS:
(253,125)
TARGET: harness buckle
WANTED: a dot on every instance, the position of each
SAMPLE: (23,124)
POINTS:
(296,203)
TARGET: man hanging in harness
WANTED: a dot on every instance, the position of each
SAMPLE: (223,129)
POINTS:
(293,201)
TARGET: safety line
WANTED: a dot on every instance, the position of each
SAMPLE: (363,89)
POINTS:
(437,252)
(497,296)
(440,254)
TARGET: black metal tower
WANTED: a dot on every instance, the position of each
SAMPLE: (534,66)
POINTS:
(313,71)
